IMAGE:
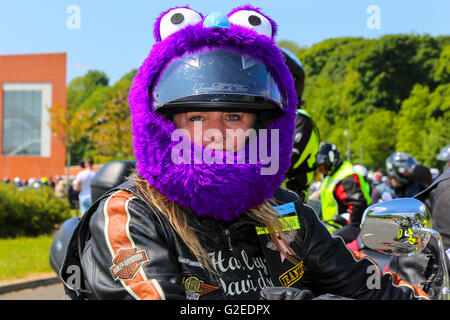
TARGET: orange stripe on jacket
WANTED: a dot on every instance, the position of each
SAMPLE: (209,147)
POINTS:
(398,281)
(117,235)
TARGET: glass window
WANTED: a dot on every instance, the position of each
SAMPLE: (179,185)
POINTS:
(22,120)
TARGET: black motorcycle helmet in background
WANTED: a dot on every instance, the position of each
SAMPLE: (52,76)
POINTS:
(298,73)
(399,165)
(329,156)
(306,138)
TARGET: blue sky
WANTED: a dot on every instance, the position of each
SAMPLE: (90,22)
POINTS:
(116,36)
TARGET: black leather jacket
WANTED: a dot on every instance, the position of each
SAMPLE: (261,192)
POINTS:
(125,249)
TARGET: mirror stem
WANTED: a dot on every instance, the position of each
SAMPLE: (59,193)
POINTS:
(445,280)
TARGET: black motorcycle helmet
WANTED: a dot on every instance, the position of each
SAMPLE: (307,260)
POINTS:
(210,79)
(218,79)
(329,156)
(298,72)
(399,165)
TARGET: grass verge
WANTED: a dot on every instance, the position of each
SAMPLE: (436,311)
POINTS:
(22,258)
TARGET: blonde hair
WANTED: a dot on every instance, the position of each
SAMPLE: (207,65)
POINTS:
(264,215)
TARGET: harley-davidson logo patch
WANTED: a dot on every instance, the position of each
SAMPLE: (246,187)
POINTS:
(127,262)
(195,287)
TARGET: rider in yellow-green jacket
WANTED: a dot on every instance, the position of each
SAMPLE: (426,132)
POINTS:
(344,192)
(306,145)
(306,138)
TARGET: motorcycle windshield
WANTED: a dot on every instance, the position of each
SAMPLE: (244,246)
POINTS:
(216,75)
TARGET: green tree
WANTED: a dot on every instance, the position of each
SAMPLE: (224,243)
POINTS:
(375,140)
(442,74)
(92,94)
(85,93)
(111,138)
(423,123)
(388,93)
(411,121)
(70,126)
(80,88)
(392,65)
(437,133)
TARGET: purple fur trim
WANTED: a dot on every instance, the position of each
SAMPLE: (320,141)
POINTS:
(221,191)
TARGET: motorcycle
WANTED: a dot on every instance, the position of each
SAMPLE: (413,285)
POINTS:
(402,227)
(109,176)
(399,227)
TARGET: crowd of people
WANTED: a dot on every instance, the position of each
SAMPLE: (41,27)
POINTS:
(32,182)
(76,189)
(61,185)
(346,190)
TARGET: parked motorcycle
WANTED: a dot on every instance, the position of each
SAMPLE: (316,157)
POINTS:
(402,227)
(109,176)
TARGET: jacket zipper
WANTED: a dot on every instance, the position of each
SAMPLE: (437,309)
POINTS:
(228,235)
(231,248)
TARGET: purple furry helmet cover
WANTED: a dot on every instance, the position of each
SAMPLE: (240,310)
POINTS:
(221,191)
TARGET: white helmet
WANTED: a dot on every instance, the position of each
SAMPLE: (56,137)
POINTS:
(434,172)
(362,170)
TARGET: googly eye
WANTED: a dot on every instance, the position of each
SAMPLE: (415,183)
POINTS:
(177,19)
(253,20)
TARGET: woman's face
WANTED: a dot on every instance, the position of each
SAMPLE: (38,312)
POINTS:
(216,128)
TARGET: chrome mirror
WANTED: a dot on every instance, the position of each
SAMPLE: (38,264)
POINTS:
(397,227)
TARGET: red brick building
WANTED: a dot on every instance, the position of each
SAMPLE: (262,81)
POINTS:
(29,84)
